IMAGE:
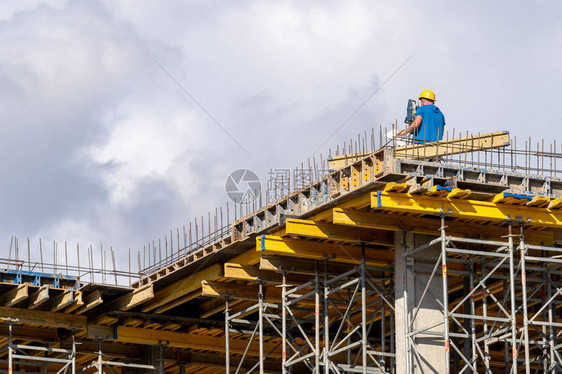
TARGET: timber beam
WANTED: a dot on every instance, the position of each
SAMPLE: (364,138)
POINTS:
(237,291)
(15,295)
(323,230)
(131,299)
(38,297)
(182,288)
(44,318)
(454,146)
(173,339)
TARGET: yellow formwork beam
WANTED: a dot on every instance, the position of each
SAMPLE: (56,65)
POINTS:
(250,273)
(469,209)
(323,230)
(276,245)
(421,225)
(239,291)
(184,287)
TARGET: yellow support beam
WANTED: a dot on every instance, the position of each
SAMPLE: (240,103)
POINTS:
(469,209)
(381,221)
(276,245)
(322,230)
(512,198)
(302,267)
(250,273)
(555,203)
(231,290)
(395,187)
(183,287)
(458,193)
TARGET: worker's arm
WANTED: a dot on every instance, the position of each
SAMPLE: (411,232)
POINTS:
(412,127)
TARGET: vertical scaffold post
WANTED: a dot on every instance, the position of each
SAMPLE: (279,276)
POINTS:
(100,358)
(472,321)
(317,320)
(326,320)
(227,335)
(512,299)
(485,321)
(284,324)
(73,353)
(10,349)
(522,251)
(445,296)
(363,311)
(161,360)
(260,322)
(405,319)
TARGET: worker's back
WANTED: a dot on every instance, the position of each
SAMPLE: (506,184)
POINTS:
(432,126)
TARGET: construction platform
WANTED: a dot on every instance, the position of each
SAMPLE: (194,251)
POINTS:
(422,258)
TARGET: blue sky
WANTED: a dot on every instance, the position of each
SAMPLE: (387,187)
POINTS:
(101,145)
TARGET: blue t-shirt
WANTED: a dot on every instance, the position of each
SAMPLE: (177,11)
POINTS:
(432,126)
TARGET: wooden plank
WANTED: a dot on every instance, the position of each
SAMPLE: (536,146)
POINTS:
(445,147)
(15,295)
(44,318)
(454,146)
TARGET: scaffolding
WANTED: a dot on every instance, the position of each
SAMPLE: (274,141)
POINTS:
(406,259)
(508,297)
(335,322)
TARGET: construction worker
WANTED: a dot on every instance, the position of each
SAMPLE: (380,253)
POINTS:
(429,123)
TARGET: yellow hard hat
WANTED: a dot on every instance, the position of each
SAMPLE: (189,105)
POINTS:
(427,94)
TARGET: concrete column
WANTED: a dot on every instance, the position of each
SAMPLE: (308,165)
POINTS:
(411,278)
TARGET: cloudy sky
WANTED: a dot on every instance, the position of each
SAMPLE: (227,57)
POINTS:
(120,120)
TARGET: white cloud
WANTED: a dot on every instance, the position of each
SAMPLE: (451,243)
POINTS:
(102,145)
